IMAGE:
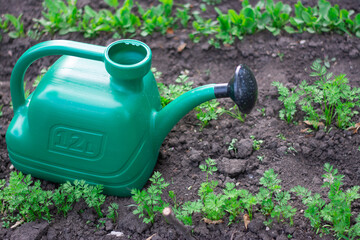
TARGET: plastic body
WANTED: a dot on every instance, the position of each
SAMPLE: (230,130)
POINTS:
(96,115)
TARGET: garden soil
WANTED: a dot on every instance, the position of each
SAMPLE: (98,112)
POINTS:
(298,158)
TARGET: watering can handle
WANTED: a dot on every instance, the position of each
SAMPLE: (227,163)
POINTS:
(54,47)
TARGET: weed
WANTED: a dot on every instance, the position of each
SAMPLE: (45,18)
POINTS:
(112,212)
(281,56)
(336,211)
(234,112)
(149,202)
(256,143)
(1,113)
(232,146)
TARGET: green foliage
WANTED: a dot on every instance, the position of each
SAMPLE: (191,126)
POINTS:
(149,202)
(333,214)
(60,16)
(173,91)
(273,201)
(256,143)
(289,98)
(208,111)
(67,194)
(323,18)
(183,14)
(232,146)
(17,26)
(123,22)
(157,18)
(212,2)
(23,199)
(329,98)
(112,212)
(202,28)
(187,210)
(40,76)
(234,112)
(334,96)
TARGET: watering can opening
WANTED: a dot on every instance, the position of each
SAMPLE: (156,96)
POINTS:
(129,59)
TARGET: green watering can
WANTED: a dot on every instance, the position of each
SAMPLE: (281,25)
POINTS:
(96,114)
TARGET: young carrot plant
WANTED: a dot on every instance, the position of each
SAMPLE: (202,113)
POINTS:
(149,202)
(112,212)
(336,210)
(272,200)
(93,197)
(289,98)
(208,111)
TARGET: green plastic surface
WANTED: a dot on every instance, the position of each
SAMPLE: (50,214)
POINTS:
(96,115)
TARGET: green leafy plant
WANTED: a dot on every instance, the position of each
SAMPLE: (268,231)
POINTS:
(272,200)
(279,15)
(332,215)
(289,98)
(256,143)
(149,202)
(332,94)
(234,112)
(187,210)
(208,111)
(18,26)
(202,28)
(40,76)
(212,2)
(23,199)
(60,16)
(172,91)
(112,212)
(93,197)
(183,14)
(67,194)
(281,136)
(157,18)
(232,146)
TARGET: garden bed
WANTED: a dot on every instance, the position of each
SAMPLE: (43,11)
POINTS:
(297,156)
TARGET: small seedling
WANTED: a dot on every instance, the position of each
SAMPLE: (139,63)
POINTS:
(256,143)
(281,56)
(234,112)
(208,111)
(261,157)
(281,136)
(232,146)
(262,111)
(112,212)
(149,202)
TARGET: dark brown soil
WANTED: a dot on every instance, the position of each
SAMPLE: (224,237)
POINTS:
(186,147)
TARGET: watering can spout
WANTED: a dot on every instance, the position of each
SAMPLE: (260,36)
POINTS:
(242,89)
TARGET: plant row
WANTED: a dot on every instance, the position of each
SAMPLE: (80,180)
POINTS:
(64,17)
(331,215)
(329,100)
(22,200)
